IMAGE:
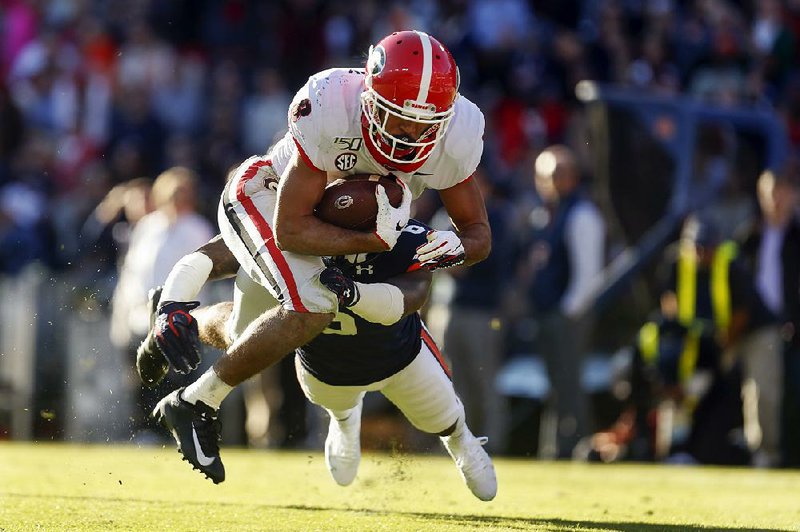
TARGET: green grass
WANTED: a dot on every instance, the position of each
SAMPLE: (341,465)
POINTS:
(71,487)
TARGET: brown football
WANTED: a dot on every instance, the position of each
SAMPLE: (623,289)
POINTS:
(350,203)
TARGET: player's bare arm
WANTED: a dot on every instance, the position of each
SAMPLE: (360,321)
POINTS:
(415,286)
(386,302)
(467,210)
(299,231)
(224,264)
(175,330)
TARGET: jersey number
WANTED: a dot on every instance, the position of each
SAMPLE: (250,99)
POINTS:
(348,143)
(343,324)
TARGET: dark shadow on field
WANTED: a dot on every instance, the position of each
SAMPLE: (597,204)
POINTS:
(476,522)
(467,522)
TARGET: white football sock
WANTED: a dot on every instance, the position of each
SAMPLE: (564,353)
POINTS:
(342,416)
(459,430)
(461,422)
(209,389)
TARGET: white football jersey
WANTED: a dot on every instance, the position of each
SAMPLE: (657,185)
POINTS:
(325,122)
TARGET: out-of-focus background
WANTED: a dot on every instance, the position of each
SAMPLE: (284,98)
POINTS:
(642,296)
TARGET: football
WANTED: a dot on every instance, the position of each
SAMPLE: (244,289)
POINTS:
(350,203)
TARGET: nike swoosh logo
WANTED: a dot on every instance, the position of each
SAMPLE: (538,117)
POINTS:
(421,173)
(399,227)
(201,457)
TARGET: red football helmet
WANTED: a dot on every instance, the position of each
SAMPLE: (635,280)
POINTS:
(412,76)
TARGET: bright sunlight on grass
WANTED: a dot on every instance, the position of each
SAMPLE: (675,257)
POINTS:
(69,487)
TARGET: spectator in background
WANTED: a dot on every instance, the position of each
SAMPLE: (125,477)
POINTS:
(105,233)
(689,400)
(221,146)
(772,249)
(721,75)
(653,70)
(773,49)
(300,39)
(683,406)
(710,290)
(145,61)
(22,215)
(12,129)
(473,335)
(157,242)
(26,228)
(263,113)
(565,253)
(137,136)
(497,28)
(178,101)
(69,213)
(18,26)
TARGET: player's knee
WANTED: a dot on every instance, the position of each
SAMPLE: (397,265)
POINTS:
(212,324)
(318,320)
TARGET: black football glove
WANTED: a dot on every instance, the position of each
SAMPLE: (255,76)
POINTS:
(341,285)
(177,335)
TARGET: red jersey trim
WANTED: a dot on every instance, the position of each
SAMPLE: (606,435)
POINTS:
(426,338)
(304,155)
(266,233)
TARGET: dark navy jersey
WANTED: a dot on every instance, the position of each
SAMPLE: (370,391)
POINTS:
(353,351)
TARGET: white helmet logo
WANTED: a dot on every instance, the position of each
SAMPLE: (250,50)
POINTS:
(377,60)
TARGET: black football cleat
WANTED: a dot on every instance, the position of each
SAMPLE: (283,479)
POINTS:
(151,365)
(196,430)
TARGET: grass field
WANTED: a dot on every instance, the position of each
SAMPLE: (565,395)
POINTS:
(69,487)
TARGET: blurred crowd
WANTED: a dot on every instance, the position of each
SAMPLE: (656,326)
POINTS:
(99,97)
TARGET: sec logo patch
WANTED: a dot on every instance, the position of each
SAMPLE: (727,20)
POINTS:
(346,161)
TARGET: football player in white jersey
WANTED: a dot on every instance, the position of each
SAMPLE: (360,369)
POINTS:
(401,115)
(353,356)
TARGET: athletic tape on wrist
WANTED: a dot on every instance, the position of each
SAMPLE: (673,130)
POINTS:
(380,303)
(187,278)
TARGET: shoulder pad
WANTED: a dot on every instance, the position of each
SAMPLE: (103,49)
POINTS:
(464,138)
(323,109)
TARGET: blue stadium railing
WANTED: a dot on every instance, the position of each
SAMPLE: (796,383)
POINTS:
(686,114)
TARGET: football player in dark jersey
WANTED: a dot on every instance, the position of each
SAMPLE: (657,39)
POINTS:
(376,342)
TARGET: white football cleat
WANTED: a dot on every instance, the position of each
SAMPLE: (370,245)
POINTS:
(343,447)
(473,463)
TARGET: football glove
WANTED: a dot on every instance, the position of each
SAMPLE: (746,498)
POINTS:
(337,282)
(443,250)
(390,221)
(177,335)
